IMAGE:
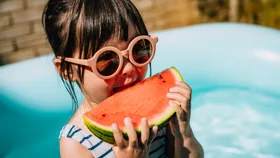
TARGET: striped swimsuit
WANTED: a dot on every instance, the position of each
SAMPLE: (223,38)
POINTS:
(101,149)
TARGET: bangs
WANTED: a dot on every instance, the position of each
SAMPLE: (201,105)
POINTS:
(104,19)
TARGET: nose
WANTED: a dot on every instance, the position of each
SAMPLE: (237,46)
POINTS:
(127,69)
(125,53)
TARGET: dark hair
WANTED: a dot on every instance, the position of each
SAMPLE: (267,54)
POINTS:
(86,25)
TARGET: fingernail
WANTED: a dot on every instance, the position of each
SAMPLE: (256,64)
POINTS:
(144,119)
(127,121)
(177,82)
(171,90)
(156,128)
(114,126)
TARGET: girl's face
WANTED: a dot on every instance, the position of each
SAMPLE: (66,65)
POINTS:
(96,89)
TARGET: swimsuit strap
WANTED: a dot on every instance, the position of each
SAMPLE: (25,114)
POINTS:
(98,148)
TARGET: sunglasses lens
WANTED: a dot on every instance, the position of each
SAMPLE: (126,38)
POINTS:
(107,63)
(142,51)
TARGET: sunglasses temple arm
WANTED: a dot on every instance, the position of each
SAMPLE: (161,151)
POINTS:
(155,39)
(77,61)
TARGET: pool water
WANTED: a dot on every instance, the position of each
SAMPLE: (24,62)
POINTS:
(233,69)
(237,122)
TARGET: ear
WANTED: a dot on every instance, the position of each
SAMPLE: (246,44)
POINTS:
(73,76)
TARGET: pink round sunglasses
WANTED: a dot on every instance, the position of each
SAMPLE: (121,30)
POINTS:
(108,61)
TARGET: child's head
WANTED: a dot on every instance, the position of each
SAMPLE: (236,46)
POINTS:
(77,29)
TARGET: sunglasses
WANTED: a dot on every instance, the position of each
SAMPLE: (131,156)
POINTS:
(108,61)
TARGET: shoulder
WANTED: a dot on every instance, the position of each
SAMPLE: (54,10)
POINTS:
(74,139)
(72,148)
(70,142)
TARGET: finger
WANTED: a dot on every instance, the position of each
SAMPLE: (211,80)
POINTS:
(181,114)
(183,84)
(189,95)
(153,134)
(182,90)
(132,136)
(145,132)
(175,106)
(118,136)
(183,101)
(177,96)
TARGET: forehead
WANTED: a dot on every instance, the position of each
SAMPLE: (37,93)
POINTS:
(114,41)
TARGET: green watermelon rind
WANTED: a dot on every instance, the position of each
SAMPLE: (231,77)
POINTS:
(105,133)
(102,132)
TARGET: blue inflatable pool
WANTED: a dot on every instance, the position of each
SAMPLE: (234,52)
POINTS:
(233,69)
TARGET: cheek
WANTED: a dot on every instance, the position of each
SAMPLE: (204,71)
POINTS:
(89,79)
(96,87)
(110,82)
(92,82)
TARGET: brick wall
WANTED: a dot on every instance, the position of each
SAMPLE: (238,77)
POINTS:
(22,36)
(165,14)
(21,33)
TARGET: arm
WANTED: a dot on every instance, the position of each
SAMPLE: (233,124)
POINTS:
(180,133)
(70,148)
(188,146)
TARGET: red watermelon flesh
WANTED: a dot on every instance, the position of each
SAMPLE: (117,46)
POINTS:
(145,99)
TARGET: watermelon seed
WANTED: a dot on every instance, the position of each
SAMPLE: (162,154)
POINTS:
(163,81)
(103,115)
(160,76)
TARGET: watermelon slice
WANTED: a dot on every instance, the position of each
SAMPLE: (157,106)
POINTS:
(145,99)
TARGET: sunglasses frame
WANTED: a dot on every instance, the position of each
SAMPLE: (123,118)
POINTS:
(127,53)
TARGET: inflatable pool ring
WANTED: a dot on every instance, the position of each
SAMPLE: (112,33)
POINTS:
(230,67)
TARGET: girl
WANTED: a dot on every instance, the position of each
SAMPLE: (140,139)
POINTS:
(104,46)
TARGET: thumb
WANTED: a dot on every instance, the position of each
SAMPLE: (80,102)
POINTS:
(174,120)
(153,133)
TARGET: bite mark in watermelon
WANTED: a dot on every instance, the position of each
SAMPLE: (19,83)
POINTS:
(145,99)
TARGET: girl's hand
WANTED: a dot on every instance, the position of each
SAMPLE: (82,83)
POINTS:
(180,125)
(134,147)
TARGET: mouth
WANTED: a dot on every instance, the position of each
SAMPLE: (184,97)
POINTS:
(123,87)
